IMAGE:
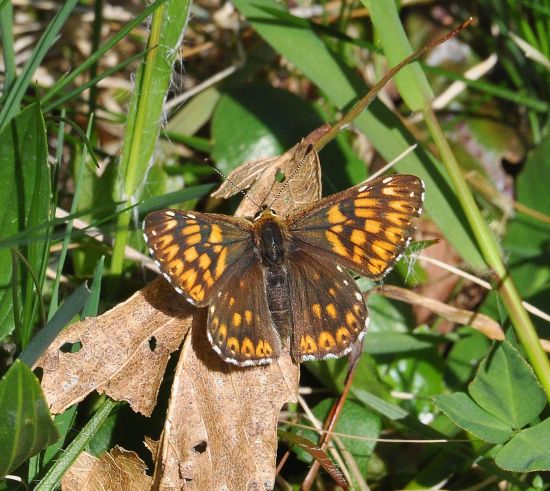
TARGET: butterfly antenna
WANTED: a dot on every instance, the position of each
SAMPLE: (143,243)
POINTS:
(235,186)
(287,180)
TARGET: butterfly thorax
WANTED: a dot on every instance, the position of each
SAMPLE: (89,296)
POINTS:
(271,246)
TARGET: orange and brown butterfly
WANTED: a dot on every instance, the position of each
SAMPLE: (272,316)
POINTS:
(272,281)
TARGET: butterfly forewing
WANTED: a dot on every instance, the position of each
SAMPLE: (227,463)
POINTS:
(197,251)
(329,313)
(365,228)
(239,323)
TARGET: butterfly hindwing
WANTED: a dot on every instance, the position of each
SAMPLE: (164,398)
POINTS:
(328,310)
(364,228)
(197,251)
(240,328)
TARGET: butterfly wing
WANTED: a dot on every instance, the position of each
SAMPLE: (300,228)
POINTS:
(240,328)
(195,251)
(329,313)
(367,227)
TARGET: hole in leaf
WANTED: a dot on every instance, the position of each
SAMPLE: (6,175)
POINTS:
(152,343)
(71,347)
(280,176)
(200,447)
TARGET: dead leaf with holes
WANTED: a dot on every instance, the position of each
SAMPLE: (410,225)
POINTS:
(122,353)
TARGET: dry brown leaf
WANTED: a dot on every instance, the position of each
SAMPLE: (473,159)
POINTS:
(221,426)
(481,322)
(301,185)
(118,470)
(123,352)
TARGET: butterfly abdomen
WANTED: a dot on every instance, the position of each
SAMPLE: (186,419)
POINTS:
(271,248)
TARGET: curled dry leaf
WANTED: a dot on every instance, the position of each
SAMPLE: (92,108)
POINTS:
(481,322)
(299,168)
(122,353)
(119,469)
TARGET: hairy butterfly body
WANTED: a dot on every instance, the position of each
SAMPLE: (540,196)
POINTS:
(273,279)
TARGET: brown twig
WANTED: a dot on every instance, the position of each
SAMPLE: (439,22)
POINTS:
(330,424)
(358,108)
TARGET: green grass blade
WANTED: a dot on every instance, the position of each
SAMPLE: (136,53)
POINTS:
(68,230)
(20,86)
(145,114)
(6,34)
(43,338)
(25,177)
(55,473)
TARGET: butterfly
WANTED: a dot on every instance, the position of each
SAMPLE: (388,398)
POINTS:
(272,281)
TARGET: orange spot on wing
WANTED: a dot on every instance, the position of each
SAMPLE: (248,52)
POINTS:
(247,347)
(377,266)
(169,225)
(390,191)
(197,292)
(342,336)
(365,212)
(316,309)
(398,219)
(204,261)
(331,310)
(190,229)
(372,226)
(366,203)
(268,350)
(358,237)
(308,345)
(207,277)
(336,244)
(163,241)
(248,316)
(326,341)
(358,255)
(401,205)
(193,239)
(237,318)
(233,344)
(170,252)
(394,234)
(351,321)
(216,234)
(222,333)
(334,215)
(190,254)
(220,263)
(381,251)
(189,277)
